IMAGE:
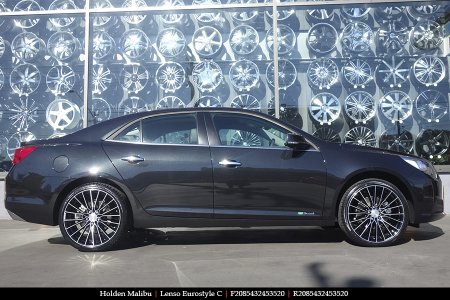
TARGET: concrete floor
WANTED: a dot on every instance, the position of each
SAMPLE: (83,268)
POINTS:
(36,255)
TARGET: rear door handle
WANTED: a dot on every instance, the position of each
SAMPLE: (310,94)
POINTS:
(133,159)
(230,163)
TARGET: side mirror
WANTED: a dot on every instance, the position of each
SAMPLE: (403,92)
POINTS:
(295,141)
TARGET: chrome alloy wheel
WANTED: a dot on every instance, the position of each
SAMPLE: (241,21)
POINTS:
(355,12)
(27,46)
(207,41)
(103,45)
(423,11)
(286,39)
(373,212)
(102,20)
(24,6)
(134,43)
(2,45)
(170,102)
(244,75)
(429,70)
(361,136)
(25,79)
(101,78)
(132,18)
(327,134)
(63,46)
(208,101)
(360,107)
(325,108)
(60,80)
(323,73)
(432,143)
(246,101)
(396,106)
(244,39)
(170,76)
(171,42)
(356,37)
(395,140)
(62,114)
(62,5)
(426,35)
(100,110)
(91,216)
(357,73)
(207,76)
(168,18)
(432,105)
(394,72)
(320,14)
(24,113)
(392,36)
(244,15)
(133,78)
(132,105)
(208,17)
(287,74)
(389,12)
(282,14)
(322,38)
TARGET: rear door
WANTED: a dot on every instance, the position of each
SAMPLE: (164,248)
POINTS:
(165,161)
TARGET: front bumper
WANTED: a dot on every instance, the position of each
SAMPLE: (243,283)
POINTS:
(431,208)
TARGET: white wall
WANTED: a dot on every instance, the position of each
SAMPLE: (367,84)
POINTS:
(445,181)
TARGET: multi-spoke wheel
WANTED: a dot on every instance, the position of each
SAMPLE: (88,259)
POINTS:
(244,39)
(322,38)
(393,72)
(134,43)
(246,139)
(171,42)
(133,78)
(357,72)
(132,105)
(60,80)
(25,79)
(170,76)
(355,12)
(392,36)
(432,143)
(389,12)
(320,14)
(170,102)
(62,114)
(103,45)
(16,140)
(396,139)
(63,46)
(168,18)
(27,46)
(24,113)
(246,101)
(100,110)
(244,75)
(207,76)
(102,20)
(94,217)
(207,41)
(373,212)
(360,107)
(323,73)
(208,17)
(432,105)
(426,35)
(325,108)
(208,101)
(24,6)
(361,136)
(132,18)
(101,79)
(287,74)
(64,22)
(282,14)
(396,106)
(286,39)
(429,70)
(356,37)
(244,15)
(423,11)
(327,134)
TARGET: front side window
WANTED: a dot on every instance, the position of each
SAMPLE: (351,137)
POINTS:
(247,131)
(171,129)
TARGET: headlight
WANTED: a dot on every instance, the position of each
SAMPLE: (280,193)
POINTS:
(421,164)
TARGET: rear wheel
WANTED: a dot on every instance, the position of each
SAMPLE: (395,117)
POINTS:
(93,217)
(373,213)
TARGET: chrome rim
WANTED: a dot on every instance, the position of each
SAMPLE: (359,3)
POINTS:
(286,39)
(24,113)
(390,12)
(62,114)
(92,217)
(244,75)
(170,19)
(244,16)
(27,5)
(361,136)
(246,139)
(417,11)
(207,41)
(325,108)
(27,46)
(62,5)
(134,43)
(360,107)
(431,105)
(323,73)
(208,101)
(207,17)
(60,80)
(287,74)
(134,19)
(392,36)
(100,110)
(63,46)
(134,78)
(101,79)
(355,12)
(397,141)
(357,72)
(25,79)
(244,39)
(170,76)
(2,46)
(426,35)
(396,106)
(102,45)
(282,14)
(16,140)
(357,37)
(429,70)
(393,73)
(102,20)
(375,213)
(171,42)
(322,38)
(327,134)
(132,105)
(432,143)
(170,102)
(320,14)
(207,76)
(246,101)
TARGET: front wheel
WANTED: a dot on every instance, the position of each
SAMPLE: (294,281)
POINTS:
(93,217)
(373,213)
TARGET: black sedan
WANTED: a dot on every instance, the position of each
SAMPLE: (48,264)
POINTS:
(215,167)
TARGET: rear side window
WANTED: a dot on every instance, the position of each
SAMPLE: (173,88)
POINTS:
(130,134)
(170,129)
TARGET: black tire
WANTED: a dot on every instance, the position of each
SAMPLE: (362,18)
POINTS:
(97,229)
(373,213)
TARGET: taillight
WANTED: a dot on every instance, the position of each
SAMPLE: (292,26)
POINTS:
(21,153)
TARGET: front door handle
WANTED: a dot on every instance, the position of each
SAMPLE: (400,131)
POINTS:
(133,159)
(230,163)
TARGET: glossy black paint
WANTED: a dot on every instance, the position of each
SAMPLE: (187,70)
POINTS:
(183,185)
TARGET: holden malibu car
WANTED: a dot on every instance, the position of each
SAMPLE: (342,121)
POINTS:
(215,167)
